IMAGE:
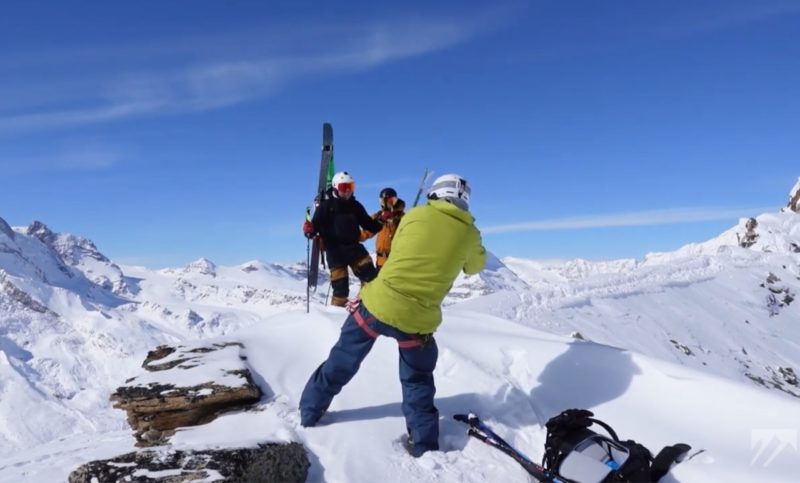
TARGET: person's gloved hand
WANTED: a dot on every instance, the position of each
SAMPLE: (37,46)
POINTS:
(308,229)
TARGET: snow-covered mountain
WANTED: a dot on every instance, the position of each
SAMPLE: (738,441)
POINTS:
(714,306)
(74,326)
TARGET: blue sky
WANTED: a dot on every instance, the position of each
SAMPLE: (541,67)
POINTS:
(173,130)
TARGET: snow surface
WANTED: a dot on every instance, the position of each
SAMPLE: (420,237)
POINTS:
(682,347)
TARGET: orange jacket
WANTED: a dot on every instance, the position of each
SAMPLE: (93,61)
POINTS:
(383,244)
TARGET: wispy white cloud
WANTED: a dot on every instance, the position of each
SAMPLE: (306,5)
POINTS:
(86,158)
(641,218)
(198,82)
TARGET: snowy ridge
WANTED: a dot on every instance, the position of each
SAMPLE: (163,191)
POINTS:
(527,377)
(712,305)
(494,278)
(82,254)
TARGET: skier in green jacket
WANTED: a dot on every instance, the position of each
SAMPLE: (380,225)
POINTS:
(432,245)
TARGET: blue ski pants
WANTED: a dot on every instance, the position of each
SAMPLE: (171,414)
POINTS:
(418,355)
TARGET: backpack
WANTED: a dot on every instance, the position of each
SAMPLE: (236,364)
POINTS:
(577,454)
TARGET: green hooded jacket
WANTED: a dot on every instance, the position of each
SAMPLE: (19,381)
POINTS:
(433,243)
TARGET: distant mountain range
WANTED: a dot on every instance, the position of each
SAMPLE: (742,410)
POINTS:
(726,306)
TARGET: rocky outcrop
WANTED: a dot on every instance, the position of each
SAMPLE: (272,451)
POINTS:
(783,379)
(185,386)
(682,347)
(779,294)
(39,230)
(750,235)
(72,249)
(202,266)
(81,253)
(21,297)
(794,198)
(271,462)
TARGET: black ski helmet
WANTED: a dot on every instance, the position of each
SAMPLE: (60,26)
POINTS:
(388,193)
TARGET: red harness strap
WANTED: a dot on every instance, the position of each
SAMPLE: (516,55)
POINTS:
(409,344)
(364,324)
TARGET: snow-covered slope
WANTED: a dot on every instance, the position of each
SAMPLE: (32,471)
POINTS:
(74,326)
(515,377)
(714,305)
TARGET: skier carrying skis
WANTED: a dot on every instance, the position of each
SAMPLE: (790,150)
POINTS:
(431,247)
(338,221)
(392,209)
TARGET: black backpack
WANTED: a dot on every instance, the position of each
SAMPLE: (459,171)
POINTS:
(577,454)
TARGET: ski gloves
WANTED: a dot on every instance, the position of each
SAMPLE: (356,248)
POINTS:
(384,216)
(308,229)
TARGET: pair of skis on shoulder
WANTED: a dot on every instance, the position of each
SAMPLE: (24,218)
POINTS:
(326,169)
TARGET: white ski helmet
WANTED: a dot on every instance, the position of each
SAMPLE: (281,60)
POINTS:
(453,188)
(343,178)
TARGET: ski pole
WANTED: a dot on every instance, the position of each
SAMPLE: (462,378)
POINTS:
(308,263)
(421,187)
(480,431)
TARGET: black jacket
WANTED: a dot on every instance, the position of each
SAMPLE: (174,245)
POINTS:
(339,222)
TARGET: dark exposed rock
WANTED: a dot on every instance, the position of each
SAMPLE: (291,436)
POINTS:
(42,232)
(159,352)
(21,297)
(779,295)
(788,375)
(163,351)
(750,235)
(685,349)
(156,405)
(794,198)
(269,462)
(770,384)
